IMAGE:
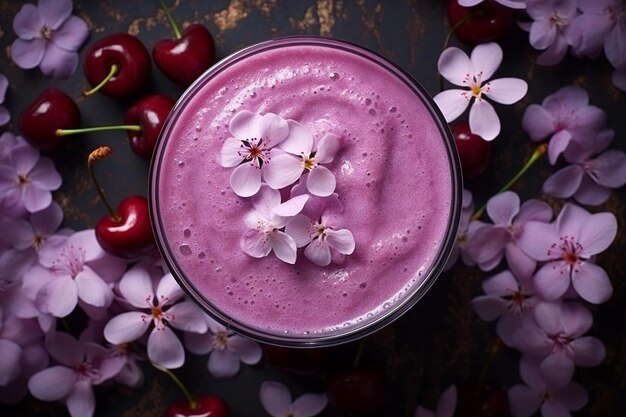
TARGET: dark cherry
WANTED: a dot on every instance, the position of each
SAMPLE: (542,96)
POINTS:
(474,151)
(129,235)
(487,21)
(481,401)
(150,113)
(129,55)
(185,59)
(357,392)
(51,110)
(297,361)
(205,406)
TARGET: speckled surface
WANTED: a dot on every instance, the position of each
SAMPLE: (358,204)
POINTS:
(440,341)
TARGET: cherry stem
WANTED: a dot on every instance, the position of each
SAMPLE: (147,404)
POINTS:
(540,150)
(65,132)
(193,404)
(494,348)
(171,20)
(446,41)
(111,74)
(97,154)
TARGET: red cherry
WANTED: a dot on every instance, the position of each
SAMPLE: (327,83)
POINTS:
(51,110)
(128,236)
(487,21)
(185,59)
(128,54)
(474,151)
(208,406)
(357,392)
(150,113)
(298,361)
(483,401)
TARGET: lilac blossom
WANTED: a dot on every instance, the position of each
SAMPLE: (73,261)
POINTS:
(513,4)
(5,116)
(33,234)
(445,406)
(537,394)
(264,222)
(460,244)
(549,29)
(602,23)
(564,117)
(226,349)
(14,264)
(299,157)
(48,37)
(248,151)
(489,243)
(165,307)
(592,174)
(473,74)
(8,141)
(556,338)
(80,367)
(507,299)
(276,400)
(567,247)
(26,181)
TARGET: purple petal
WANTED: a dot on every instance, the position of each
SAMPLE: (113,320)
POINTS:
(299,141)
(558,143)
(536,239)
(248,351)
(592,283)
(81,401)
(489,308)
(454,65)
(615,45)
(513,4)
(200,344)
(28,22)
(91,288)
(58,63)
(522,265)
(126,327)
(421,411)
(503,207)
(554,409)
(571,96)
(483,120)
(529,372)
(318,252)
(619,78)
(10,354)
(229,154)
(452,103)
(321,181)
(71,35)
(537,122)
(87,242)
(299,228)
(327,148)
(589,120)
(52,384)
(575,320)
(54,12)
(570,219)
(265,200)
(500,285)
(487,243)
(47,221)
(507,90)
(574,396)
(276,398)
(597,233)
(446,404)
(557,369)
(284,169)
(523,401)
(245,180)
(60,296)
(284,247)
(5,116)
(271,127)
(136,286)
(223,364)
(340,240)
(486,58)
(552,280)
(35,198)
(168,290)
(291,207)
(542,34)
(565,182)
(187,316)
(469,3)
(588,351)
(555,53)
(20,233)
(534,209)
(590,193)
(165,349)
(608,169)
(507,327)
(4,85)
(309,405)
(256,244)
(25,158)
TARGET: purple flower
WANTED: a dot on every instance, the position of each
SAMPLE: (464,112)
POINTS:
(525,400)
(564,116)
(507,299)
(4,113)
(601,24)
(33,234)
(264,222)
(567,247)
(619,78)
(489,243)
(226,349)
(14,264)
(254,135)
(276,400)
(549,29)
(445,406)
(8,141)
(592,174)
(316,206)
(81,365)
(513,4)
(48,37)
(472,73)
(298,157)
(460,244)
(160,306)
(556,338)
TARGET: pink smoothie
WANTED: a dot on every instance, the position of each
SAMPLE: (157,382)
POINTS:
(394,178)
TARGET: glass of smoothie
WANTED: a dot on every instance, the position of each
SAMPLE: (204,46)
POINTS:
(389,223)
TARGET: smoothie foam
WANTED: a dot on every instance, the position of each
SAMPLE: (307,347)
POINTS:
(394,178)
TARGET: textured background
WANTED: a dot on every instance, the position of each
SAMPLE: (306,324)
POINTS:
(440,341)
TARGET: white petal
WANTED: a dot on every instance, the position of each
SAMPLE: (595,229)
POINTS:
(165,349)
(299,141)
(229,154)
(265,200)
(486,58)
(455,66)
(245,180)
(168,290)
(452,103)
(284,247)
(284,169)
(299,228)
(276,398)
(135,286)
(483,120)
(327,148)
(256,244)
(507,90)
(271,127)
(321,181)
(126,327)
(340,240)
(318,252)
(92,289)
(291,207)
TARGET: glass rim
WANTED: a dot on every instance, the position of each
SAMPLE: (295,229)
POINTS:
(356,331)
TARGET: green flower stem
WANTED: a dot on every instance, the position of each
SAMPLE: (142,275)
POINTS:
(65,132)
(111,74)
(101,153)
(193,404)
(171,20)
(540,150)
